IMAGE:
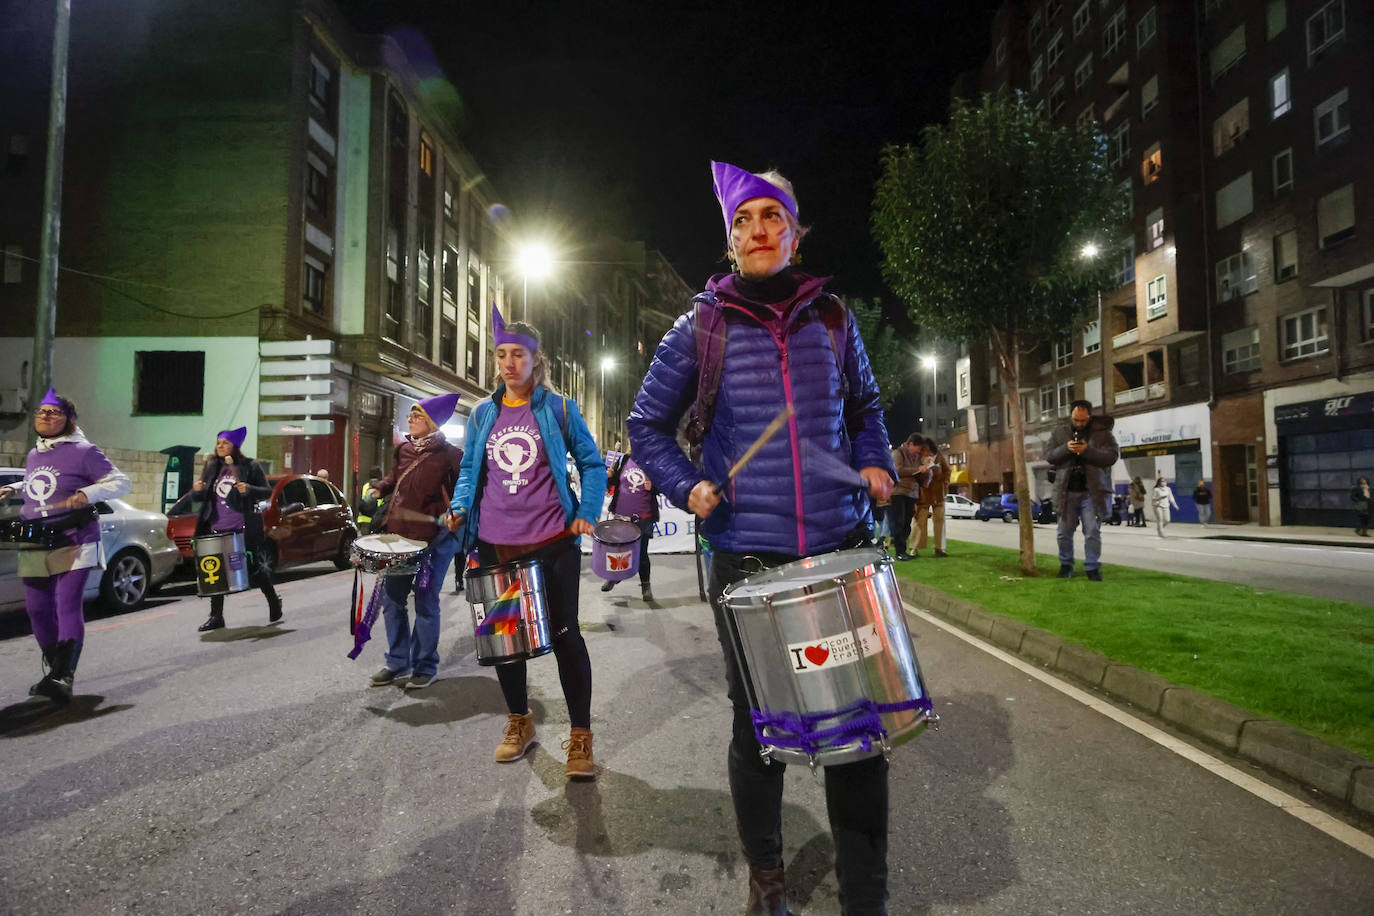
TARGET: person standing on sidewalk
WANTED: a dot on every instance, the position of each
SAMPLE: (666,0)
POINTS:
(930,500)
(1137,498)
(784,343)
(634,497)
(417,492)
(65,475)
(514,502)
(1082,453)
(1359,498)
(913,475)
(229,489)
(1203,498)
(1161,497)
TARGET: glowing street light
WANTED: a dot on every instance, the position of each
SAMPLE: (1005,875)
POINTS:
(533,260)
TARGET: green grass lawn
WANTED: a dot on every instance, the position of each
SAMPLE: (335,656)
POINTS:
(1305,661)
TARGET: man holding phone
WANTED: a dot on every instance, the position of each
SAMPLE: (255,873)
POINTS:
(1082,453)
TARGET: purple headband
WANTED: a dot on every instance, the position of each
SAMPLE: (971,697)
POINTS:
(50,399)
(734,186)
(502,336)
(236,436)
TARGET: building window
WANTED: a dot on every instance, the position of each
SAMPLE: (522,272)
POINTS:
(1145,29)
(1037,73)
(1227,53)
(1125,269)
(1235,200)
(1236,277)
(1063,354)
(1275,18)
(1286,255)
(1057,97)
(1156,298)
(1064,392)
(450,198)
(1240,350)
(1046,402)
(426,157)
(316,183)
(1149,95)
(471,369)
(449,273)
(994,415)
(320,79)
(1092,337)
(1119,147)
(169,382)
(1280,94)
(1336,216)
(14,264)
(312,286)
(1283,171)
(448,337)
(1324,29)
(1231,127)
(1083,73)
(1001,52)
(1304,334)
(1332,118)
(1092,390)
(1037,28)
(1054,50)
(1081,17)
(1127,197)
(1154,228)
(1114,32)
(1152,164)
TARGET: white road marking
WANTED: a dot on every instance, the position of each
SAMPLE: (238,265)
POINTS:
(1333,827)
(1196,553)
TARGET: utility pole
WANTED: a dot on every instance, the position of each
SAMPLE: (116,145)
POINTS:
(45,310)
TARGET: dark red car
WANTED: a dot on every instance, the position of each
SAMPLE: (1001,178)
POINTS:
(307,520)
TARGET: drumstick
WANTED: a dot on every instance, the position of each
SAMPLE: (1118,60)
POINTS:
(769,432)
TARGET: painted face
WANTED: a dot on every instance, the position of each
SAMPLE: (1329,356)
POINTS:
(418,423)
(516,365)
(223,447)
(761,238)
(49,421)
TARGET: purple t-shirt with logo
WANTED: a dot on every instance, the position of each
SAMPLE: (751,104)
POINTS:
(634,496)
(52,477)
(520,502)
(226,518)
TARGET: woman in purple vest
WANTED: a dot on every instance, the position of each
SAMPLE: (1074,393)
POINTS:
(228,492)
(786,344)
(514,501)
(64,476)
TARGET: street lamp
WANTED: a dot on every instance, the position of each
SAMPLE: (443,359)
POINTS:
(1090,252)
(931,363)
(534,260)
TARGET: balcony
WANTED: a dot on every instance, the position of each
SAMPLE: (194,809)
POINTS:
(1129,396)
(1126,338)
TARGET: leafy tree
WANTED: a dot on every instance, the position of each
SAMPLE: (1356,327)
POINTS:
(884,350)
(982,227)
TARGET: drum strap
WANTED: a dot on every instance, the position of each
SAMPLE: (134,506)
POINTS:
(802,733)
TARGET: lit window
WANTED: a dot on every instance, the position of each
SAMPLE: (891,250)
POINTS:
(1156,298)
(1236,276)
(1336,216)
(426,157)
(1145,29)
(1286,255)
(1231,127)
(1283,170)
(1240,350)
(1324,29)
(1154,228)
(1304,334)
(1092,338)
(1332,118)
(1152,164)
(1280,94)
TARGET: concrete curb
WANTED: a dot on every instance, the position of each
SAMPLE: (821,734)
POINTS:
(1339,774)
(1315,542)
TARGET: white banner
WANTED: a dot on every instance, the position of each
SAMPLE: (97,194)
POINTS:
(673,533)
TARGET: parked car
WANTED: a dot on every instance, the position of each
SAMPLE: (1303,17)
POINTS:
(1004,507)
(139,557)
(957,506)
(306,518)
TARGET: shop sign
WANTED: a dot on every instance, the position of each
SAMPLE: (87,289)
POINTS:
(1157,449)
(1345,405)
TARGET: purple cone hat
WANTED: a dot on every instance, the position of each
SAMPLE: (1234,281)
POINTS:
(734,186)
(502,336)
(439,408)
(236,436)
(50,400)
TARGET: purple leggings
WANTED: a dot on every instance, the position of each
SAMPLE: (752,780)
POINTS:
(54,606)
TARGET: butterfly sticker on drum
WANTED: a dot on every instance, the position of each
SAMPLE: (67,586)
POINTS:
(833,651)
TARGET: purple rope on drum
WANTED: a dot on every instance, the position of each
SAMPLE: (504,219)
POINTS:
(425,572)
(800,732)
(374,607)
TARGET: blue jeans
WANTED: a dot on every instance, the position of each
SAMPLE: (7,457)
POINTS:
(416,649)
(1079,507)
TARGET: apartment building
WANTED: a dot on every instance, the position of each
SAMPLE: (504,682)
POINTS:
(1236,345)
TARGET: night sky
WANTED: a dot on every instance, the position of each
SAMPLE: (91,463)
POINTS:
(604,116)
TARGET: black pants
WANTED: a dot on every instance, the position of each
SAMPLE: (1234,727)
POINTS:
(261,577)
(856,794)
(562,565)
(903,509)
(646,533)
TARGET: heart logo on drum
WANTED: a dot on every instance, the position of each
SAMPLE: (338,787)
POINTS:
(816,655)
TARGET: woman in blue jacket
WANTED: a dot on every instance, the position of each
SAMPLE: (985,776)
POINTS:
(513,501)
(785,343)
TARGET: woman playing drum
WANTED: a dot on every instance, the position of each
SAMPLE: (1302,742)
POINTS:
(786,344)
(63,473)
(515,502)
(228,492)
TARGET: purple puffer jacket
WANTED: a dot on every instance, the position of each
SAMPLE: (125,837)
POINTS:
(801,494)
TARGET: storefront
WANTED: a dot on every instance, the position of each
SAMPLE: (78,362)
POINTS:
(1175,444)
(1323,446)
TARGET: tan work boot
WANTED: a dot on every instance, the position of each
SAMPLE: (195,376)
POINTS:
(579,747)
(519,737)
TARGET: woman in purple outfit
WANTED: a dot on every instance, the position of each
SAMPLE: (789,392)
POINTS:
(64,476)
(787,343)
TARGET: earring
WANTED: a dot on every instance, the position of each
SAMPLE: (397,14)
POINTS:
(796,258)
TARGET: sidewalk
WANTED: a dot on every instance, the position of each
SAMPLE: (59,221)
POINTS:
(1251,531)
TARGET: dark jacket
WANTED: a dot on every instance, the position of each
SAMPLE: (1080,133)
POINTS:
(795,496)
(425,491)
(1098,459)
(246,503)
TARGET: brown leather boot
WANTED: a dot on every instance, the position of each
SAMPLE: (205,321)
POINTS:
(767,892)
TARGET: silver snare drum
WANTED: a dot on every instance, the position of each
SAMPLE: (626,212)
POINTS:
(831,668)
(221,564)
(510,616)
(388,554)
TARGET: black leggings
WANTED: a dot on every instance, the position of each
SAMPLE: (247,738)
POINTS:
(261,577)
(562,565)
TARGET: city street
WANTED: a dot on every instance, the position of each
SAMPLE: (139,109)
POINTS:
(1342,569)
(251,770)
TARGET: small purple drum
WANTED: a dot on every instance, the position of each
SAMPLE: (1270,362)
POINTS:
(615,549)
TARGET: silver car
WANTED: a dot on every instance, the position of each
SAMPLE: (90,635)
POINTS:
(138,554)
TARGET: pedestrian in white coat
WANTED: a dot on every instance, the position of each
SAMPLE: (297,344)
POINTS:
(1162,498)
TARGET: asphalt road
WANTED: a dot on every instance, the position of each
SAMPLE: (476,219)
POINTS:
(251,770)
(1344,573)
